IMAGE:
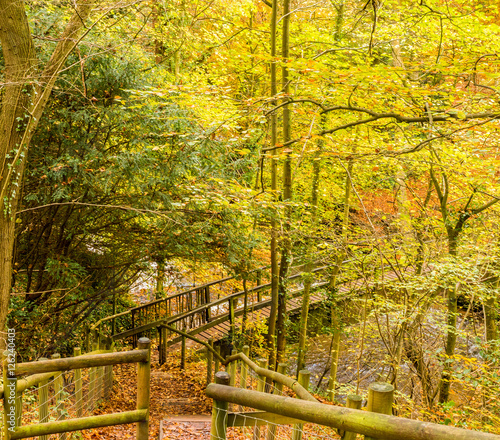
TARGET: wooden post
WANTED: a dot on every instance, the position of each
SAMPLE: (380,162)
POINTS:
(231,318)
(163,345)
(380,398)
(261,382)
(19,408)
(217,362)
(92,385)
(219,410)
(87,339)
(304,376)
(209,361)
(77,351)
(134,338)
(101,372)
(244,368)
(334,355)
(108,375)
(261,385)
(207,301)
(278,390)
(43,402)
(113,321)
(354,402)
(59,396)
(232,370)
(143,377)
(183,353)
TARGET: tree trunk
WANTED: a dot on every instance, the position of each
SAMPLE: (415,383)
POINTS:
(19,55)
(490,318)
(271,334)
(286,243)
(24,98)
(451,334)
(304,313)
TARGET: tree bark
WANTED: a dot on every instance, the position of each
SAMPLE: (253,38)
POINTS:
(271,335)
(304,313)
(26,92)
(286,242)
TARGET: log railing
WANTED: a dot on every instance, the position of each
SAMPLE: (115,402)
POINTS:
(98,383)
(272,409)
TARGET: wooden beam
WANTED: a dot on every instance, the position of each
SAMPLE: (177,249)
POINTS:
(86,361)
(379,426)
(259,418)
(79,424)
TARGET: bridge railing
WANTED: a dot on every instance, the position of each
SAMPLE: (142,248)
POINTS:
(176,304)
(192,309)
(268,408)
(74,395)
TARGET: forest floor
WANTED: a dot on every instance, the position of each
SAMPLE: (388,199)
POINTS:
(174,392)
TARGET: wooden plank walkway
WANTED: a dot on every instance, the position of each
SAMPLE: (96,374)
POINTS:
(294,305)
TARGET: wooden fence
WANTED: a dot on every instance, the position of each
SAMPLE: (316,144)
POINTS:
(98,384)
(273,409)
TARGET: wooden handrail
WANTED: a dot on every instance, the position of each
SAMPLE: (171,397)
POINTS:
(200,309)
(60,426)
(36,379)
(232,296)
(195,339)
(202,286)
(85,361)
(375,425)
(289,382)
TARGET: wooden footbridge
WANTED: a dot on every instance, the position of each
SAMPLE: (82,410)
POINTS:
(210,311)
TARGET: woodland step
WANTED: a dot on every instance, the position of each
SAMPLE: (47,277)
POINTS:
(186,427)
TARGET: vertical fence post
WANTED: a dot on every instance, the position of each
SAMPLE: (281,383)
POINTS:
(59,396)
(219,410)
(183,353)
(304,376)
(354,402)
(143,376)
(9,392)
(261,385)
(278,389)
(231,318)
(77,351)
(100,375)
(217,362)
(208,316)
(210,359)
(163,345)
(108,373)
(92,385)
(244,368)
(43,402)
(380,398)
(232,370)
(19,408)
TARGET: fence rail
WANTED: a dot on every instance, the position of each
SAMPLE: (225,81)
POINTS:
(274,409)
(98,384)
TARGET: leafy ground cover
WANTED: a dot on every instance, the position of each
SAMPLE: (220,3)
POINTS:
(173,391)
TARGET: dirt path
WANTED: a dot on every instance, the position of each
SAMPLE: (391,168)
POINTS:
(173,392)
